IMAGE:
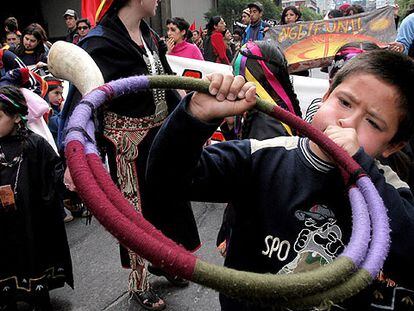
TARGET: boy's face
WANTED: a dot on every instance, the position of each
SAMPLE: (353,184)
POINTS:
(255,14)
(367,105)
(56,96)
(70,21)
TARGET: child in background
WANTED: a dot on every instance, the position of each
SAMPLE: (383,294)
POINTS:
(35,253)
(368,111)
(55,99)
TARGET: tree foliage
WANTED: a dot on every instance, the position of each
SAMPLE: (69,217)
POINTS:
(404,5)
(231,10)
(310,15)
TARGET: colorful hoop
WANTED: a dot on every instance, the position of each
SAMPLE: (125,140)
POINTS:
(352,271)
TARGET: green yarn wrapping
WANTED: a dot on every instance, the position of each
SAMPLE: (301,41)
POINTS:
(249,285)
(357,282)
(186,83)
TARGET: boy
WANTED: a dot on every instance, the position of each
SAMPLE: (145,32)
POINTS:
(291,213)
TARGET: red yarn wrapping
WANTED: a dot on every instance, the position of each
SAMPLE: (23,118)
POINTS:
(173,259)
(120,203)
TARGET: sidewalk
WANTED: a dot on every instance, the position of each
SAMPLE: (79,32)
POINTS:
(101,283)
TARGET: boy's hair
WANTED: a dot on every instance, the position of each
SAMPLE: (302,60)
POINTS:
(394,69)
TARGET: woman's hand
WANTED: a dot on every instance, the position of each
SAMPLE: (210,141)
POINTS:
(170,45)
(231,96)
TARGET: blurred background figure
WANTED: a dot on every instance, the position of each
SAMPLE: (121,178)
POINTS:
(12,40)
(71,17)
(215,49)
(32,50)
(82,26)
(257,27)
(335,14)
(245,17)
(178,33)
(290,15)
(198,40)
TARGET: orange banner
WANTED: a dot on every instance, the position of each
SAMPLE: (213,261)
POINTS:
(313,44)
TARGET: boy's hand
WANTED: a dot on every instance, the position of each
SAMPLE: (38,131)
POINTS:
(233,96)
(346,138)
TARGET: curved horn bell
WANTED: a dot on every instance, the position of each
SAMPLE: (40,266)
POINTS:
(69,62)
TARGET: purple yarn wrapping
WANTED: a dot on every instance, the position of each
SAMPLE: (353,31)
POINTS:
(357,247)
(89,146)
(129,85)
(97,97)
(79,118)
(380,243)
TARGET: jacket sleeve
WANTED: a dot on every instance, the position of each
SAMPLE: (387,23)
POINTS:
(180,165)
(399,202)
(405,33)
(219,47)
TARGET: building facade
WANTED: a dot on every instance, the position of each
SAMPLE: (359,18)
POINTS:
(49,13)
(311,4)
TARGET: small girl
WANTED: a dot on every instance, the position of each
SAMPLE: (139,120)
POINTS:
(35,253)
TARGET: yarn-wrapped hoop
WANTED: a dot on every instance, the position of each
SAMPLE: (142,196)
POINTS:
(353,270)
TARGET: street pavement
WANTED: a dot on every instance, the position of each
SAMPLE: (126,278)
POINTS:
(101,283)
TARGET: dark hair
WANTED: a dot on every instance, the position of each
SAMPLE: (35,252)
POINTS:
(39,33)
(341,55)
(18,107)
(83,20)
(198,32)
(181,24)
(15,105)
(11,24)
(356,9)
(335,13)
(53,86)
(213,21)
(238,31)
(289,8)
(393,68)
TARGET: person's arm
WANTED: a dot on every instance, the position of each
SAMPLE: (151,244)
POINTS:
(180,166)
(219,47)
(399,201)
(11,61)
(405,34)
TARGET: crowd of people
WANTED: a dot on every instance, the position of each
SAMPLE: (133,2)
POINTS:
(367,110)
